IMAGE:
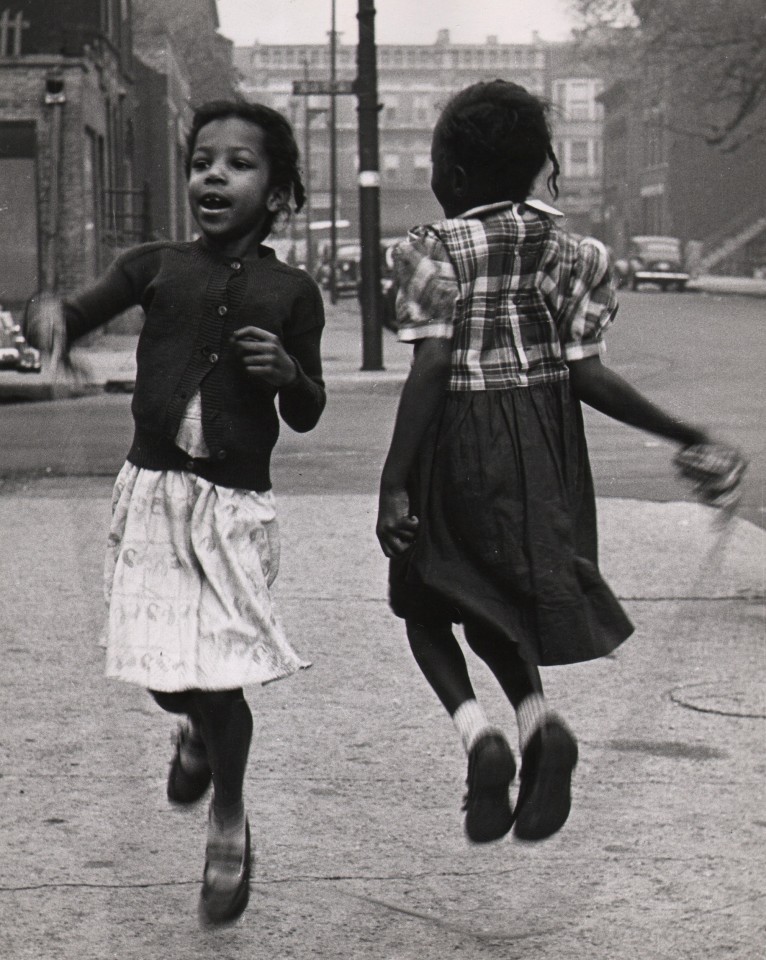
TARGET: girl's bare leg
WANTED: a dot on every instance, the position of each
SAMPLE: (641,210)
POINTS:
(491,766)
(441,661)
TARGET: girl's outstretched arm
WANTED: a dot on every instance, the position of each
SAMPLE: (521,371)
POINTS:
(420,399)
(607,392)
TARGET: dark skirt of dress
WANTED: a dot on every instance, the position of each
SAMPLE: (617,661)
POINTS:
(507,534)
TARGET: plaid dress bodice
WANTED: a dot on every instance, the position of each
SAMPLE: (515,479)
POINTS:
(517,295)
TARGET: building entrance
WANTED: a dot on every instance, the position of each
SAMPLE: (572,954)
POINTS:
(19,247)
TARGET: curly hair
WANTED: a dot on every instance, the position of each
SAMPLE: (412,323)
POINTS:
(499,131)
(278,143)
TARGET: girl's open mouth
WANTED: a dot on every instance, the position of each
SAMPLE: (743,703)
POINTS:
(214,201)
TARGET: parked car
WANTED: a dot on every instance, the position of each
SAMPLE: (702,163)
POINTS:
(15,352)
(653,259)
(348,268)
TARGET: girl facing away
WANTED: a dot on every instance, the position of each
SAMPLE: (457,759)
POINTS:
(487,508)
(230,334)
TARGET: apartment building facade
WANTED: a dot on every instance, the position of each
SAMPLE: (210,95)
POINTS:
(414,82)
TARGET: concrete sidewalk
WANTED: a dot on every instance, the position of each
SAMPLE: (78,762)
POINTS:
(356,776)
(738,286)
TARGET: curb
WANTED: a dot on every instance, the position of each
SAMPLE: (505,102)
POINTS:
(46,392)
(713,290)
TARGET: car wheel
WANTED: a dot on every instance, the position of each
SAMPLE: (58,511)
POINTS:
(680,286)
(634,284)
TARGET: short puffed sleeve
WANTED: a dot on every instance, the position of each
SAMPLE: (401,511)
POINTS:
(589,302)
(427,287)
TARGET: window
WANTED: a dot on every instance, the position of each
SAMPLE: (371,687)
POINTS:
(577,163)
(579,100)
(421,108)
(575,98)
(391,106)
(654,140)
(578,151)
(391,165)
(422,168)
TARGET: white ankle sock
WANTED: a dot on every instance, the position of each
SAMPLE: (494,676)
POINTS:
(471,722)
(530,713)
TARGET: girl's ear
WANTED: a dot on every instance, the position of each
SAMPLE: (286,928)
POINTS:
(459,180)
(277,199)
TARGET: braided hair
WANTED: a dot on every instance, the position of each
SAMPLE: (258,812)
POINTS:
(278,143)
(499,131)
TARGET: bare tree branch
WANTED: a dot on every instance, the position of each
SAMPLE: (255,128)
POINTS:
(710,53)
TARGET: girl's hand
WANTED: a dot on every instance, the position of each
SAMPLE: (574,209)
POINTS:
(396,528)
(46,330)
(715,470)
(263,356)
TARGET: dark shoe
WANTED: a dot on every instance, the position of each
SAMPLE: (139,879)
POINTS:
(188,784)
(544,799)
(491,768)
(225,881)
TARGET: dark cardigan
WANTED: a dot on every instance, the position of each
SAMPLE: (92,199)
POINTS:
(194,299)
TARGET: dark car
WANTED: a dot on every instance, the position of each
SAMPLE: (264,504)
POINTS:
(15,352)
(348,268)
(651,259)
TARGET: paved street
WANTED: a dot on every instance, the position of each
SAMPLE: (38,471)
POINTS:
(697,354)
(356,777)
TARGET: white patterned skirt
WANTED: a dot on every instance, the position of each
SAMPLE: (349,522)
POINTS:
(187,575)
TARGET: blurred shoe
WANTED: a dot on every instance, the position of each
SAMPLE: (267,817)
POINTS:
(190,775)
(544,799)
(491,768)
(226,878)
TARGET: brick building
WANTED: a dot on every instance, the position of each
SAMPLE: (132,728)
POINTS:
(414,81)
(66,139)
(94,104)
(659,180)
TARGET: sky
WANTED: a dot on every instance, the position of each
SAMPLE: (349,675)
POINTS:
(396,21)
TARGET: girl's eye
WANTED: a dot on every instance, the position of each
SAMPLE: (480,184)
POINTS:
(241,164)
(198,164)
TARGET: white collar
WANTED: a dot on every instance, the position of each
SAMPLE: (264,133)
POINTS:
(538,205)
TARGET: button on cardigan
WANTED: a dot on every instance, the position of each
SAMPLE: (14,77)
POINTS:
(193,300)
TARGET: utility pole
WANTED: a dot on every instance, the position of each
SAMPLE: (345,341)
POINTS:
(369,188)
(333,160)
(309,255)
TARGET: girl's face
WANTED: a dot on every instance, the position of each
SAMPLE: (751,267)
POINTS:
(229,184)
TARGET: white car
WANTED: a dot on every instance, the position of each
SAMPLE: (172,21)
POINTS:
(15,352)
